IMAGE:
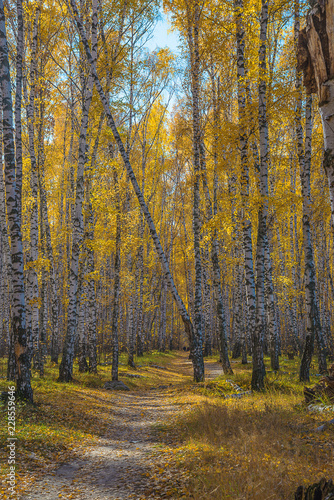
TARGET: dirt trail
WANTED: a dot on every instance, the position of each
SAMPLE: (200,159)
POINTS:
(121,466)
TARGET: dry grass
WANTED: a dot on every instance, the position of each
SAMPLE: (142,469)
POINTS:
(68,417)
(258,447)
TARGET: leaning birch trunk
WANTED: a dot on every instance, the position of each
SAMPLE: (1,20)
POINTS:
(129,258)
(66,365)
(198,359)
(24,389)
(140,259)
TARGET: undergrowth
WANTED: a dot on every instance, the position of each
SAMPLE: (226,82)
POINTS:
(68,417)
(262,446)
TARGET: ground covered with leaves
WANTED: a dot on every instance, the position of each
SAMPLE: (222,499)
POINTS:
(168,437)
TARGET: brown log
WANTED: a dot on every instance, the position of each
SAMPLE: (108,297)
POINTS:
(304,63)
(317,56)
(323,490)
(330,36)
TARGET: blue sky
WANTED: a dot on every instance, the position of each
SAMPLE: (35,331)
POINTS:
(162,37)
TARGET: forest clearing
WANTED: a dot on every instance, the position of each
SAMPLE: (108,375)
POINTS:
(167,249)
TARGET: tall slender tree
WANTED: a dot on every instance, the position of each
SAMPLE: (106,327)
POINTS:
(18,315)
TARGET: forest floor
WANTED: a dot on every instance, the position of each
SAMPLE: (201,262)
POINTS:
(167,437)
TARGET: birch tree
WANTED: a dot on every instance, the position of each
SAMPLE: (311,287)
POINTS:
(18,315)
(197,345)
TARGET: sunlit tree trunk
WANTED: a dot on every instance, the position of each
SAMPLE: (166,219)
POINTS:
(198,359)
(262,237)
(6,281)
(238,274)
(118,238)
(257,351)
(66,365)
(32,258)
(193,19)
(18,312)
(18,102)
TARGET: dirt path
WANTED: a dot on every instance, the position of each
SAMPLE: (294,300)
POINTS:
(124,463)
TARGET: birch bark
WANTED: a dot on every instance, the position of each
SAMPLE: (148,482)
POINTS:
(198,360)
(243,146)
(255,300)
(314,329)
(117,268)
(32,258)
(6,282)
(53,277)
(213,210)
(18,102)
(66,365)
(313,324)
(262,237)
(24,389)
(193,39)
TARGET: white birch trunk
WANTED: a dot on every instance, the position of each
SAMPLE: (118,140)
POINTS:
(198,368)
(66,365)
(24,390)
(304,159)
(32,258)
(18,101)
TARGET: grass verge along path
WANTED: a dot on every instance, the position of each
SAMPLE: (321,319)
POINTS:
(168,437)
